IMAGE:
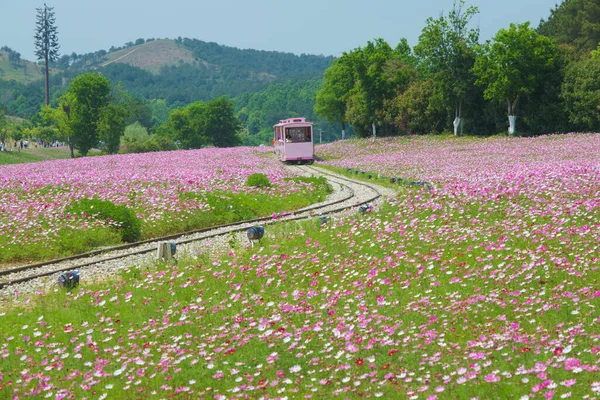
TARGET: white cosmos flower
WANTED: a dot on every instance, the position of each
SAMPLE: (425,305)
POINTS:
(295,368)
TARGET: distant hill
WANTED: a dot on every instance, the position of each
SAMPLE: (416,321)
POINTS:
(22,71)
(151,56)
(179,71)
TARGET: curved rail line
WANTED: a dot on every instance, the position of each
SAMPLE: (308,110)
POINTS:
(298,215)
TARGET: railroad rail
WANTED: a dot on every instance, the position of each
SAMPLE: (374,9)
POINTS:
(235,227)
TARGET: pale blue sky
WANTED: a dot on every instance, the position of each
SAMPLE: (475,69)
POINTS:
(326,27)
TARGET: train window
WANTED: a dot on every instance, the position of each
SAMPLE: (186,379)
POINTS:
(297,135)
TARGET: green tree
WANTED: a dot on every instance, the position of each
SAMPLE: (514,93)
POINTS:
(596,53)
(159,111)
(202,124)
(3,127)
(420,109)
(61,117)
(337,84)
(513,65)
(221,124)
(581,92)
(187,128)
(447,52)
(46,41)
(90,94)
(575,23)
(111,126)
(369,66)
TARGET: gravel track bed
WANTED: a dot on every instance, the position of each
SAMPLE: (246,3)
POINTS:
(189,245)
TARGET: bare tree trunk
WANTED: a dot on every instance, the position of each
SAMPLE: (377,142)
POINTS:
(343,130)
(46,63)
(458,118)
(512,118)
(70,142)
(374,132)
(47,85)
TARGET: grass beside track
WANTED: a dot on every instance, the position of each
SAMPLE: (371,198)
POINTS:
(224,208)
(396,303)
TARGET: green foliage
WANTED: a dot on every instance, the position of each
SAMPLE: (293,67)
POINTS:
(111,126)
(447,51)
(125,220)
(159,143)
(221,124)
(202,124)
(514,64)
(159,110)
(371,80)
(575,23)
(3,126)
(135,133)
(90,94)
(595,54)
(46,41)
(258,112)
(420,109)
(152,144)
(337,84)
(61,118)
(186,126)
(258,180)
(581,92)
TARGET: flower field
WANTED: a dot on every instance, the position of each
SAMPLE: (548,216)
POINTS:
(486,286)
(166,190)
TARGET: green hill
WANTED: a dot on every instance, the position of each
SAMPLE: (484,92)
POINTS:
(179,71)
(23,72)
(151,56)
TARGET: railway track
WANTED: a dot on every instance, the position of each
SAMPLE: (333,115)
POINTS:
(25,273)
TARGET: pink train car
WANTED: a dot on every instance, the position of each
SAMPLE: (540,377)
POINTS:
(293,140)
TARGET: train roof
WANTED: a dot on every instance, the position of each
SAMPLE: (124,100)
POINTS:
(293,121)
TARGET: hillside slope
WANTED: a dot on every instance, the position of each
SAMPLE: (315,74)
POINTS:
(23,72)
(151,56)
(179,71)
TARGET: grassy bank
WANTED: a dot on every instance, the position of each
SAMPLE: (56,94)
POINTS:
(386,304)
(223,207)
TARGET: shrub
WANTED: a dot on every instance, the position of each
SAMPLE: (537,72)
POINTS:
(135,133)
(258,180)
(129,226)
(155,143)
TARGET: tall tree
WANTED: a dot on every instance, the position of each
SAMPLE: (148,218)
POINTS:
(513,66)
(581,92)
(186,125)
(575,23)
(373,85)
(446,49)
(90,94)
(3,127)
(331,99)
(221,124)
(202,124)
(61,117)
(46,41)
(111,126)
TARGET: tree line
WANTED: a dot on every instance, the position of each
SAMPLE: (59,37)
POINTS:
(93,113)
(450,81)
(524,80)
